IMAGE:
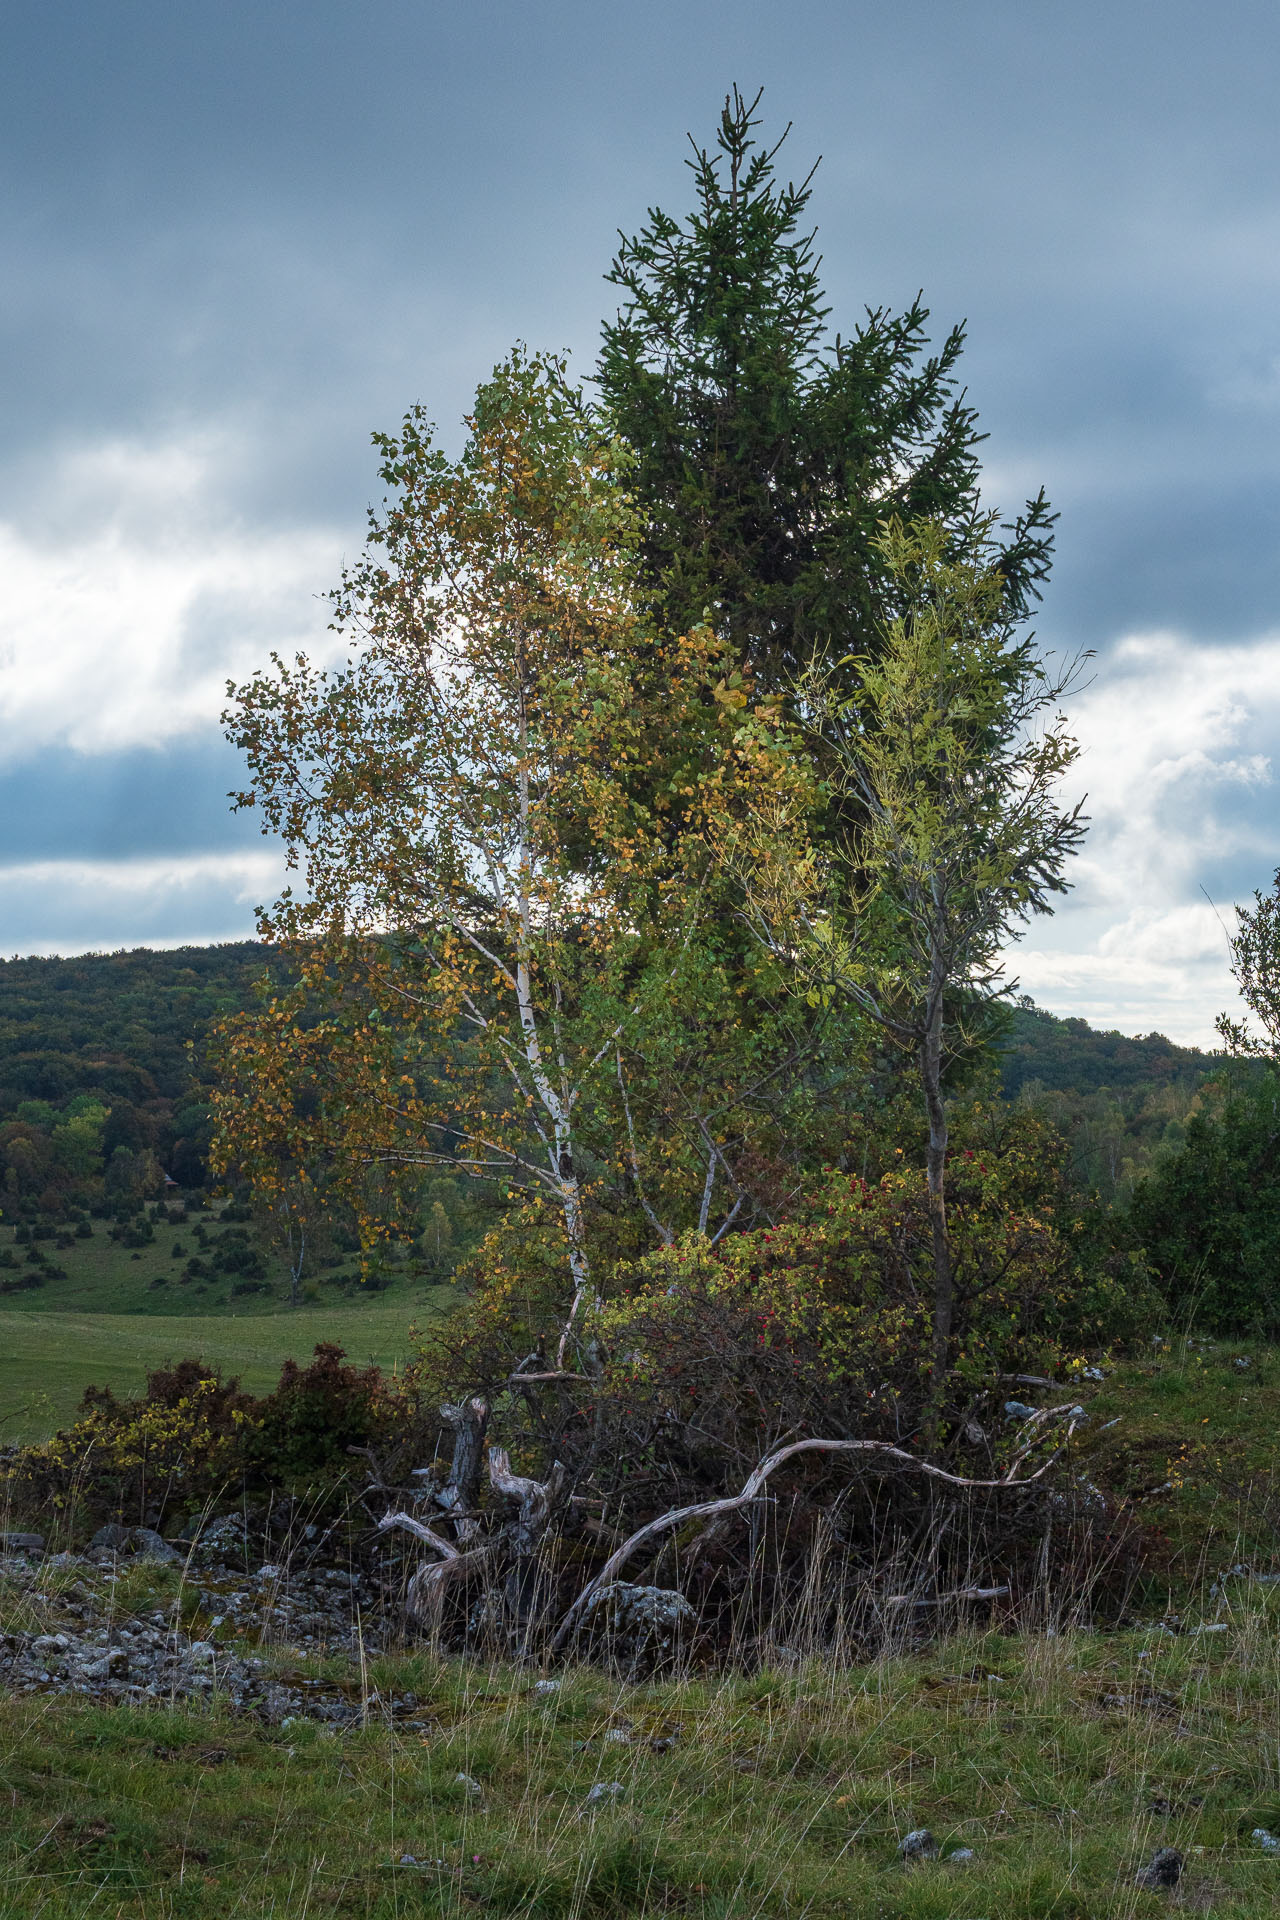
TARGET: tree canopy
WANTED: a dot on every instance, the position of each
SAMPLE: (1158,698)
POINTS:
(768,450)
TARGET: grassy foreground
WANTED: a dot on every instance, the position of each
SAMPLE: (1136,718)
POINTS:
(1061,1761)
(48,1359)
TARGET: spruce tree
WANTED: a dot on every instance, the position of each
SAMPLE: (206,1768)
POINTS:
(768,452)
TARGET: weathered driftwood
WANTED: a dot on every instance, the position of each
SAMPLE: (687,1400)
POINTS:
(461,1490)
(941,1599)
(535,1500)
(757,1479)
(515,1539)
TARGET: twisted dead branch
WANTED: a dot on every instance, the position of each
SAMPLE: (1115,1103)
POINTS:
(518,1537)
(757,1479)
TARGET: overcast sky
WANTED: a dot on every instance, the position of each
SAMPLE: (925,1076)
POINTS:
(237,238)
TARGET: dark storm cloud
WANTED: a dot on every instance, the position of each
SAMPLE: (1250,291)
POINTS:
(237,238)
(65,805)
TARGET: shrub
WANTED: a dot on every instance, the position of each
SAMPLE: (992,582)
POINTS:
(1209,1215)
(180,1441)
(317,1412)
(192,1438)
(822,1324)
(818,1326)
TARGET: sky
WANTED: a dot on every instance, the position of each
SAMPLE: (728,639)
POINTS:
(236,239)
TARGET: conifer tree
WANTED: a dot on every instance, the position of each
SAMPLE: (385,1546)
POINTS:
(768,452)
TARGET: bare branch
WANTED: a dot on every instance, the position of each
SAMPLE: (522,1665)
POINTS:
(677,1516)
(420,1531)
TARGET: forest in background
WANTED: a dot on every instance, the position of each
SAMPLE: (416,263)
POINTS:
(104,1086)
(104,1115)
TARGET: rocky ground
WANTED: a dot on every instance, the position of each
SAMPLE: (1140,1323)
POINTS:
(135,1618)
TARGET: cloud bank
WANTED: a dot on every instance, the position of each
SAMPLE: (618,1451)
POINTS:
(132,594)
(1177,762)
(239,238)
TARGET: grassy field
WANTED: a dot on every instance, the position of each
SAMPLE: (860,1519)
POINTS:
(102,1275)
(1189,1438)
(48,1359)
(1062,1763)
(115,1312)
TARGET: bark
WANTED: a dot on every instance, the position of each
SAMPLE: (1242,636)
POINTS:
(461,1490)
(936,1108)
(535,1500)
(295,1269)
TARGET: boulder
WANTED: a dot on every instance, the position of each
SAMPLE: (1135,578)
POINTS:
(150,1545)
(110,1539)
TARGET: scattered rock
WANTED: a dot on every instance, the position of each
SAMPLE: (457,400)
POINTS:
(1267,1841)
(472,1788)
(961,1857)
(639,1622)
(21,1543)
(1018,1410)
(546,1686)
(919,1844)
(605,1790)
(1164,1872)
(110,1539)
(150,1545)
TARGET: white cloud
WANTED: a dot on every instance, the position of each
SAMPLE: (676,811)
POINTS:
(133,591)
(79,906)
(1178,741)
(132,594)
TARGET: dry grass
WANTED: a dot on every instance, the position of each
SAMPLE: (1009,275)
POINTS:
(1062,1761)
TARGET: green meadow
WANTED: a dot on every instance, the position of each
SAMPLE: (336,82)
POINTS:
(1061,1763)
(119,1312)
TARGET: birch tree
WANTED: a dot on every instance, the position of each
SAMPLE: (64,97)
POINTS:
(488,898)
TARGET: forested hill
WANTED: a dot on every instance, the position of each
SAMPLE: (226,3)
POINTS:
(1120,1101)
(118,1021)
(122,1022)
(115,1034)
(1071,1056)
(119,1034)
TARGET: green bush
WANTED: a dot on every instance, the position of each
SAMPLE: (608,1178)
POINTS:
(819,1324)
(1209,1215)
(317,1412)
(193,1438)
